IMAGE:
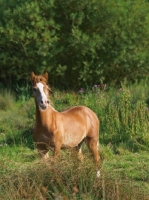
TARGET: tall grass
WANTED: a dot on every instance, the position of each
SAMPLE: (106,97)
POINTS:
(66,178)
(7,99)
(123,113)
(16,122)
(124,139)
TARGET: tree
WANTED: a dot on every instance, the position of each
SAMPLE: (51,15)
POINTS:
(79,42)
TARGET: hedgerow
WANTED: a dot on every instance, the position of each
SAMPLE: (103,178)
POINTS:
(79,42)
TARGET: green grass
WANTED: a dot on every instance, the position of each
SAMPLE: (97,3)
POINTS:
(124,144)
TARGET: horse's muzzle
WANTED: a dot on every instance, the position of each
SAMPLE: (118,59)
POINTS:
(44,104)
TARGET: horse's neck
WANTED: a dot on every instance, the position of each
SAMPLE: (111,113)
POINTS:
(44,117)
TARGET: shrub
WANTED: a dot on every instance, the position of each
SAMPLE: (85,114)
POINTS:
(78,42)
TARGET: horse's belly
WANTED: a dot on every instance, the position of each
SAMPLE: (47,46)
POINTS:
(72,140)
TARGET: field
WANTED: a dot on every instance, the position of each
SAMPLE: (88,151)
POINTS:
(124,146)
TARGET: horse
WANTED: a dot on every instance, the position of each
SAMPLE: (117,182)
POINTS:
(55,130)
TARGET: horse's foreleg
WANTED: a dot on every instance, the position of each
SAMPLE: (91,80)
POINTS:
(46,156)
(57,149)
(43,152)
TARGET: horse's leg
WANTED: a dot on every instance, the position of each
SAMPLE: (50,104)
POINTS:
(57,149)
(93,146)
(43,152)
(46,155)
(79,149)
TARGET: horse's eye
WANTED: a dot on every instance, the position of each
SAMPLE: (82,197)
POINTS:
(34,89)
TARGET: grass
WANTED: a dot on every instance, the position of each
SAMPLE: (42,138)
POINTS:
(24,176)
(124,143)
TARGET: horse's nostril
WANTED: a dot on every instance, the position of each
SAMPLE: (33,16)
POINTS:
(41,102)
(48,102)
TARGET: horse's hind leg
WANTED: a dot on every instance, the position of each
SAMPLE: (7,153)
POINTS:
(79,149)
(93,146)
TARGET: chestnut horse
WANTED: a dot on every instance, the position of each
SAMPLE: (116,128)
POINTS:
(55,130)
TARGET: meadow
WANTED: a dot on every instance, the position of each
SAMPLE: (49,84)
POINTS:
(124,144)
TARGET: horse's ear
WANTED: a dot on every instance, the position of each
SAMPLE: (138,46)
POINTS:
(32,77)
(46,76)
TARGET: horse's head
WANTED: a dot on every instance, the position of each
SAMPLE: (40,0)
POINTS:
(40,89)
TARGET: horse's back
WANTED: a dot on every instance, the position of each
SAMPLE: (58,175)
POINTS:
(81,110)
(83,115)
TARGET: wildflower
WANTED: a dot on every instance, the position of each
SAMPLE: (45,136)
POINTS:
(95,86)
(81,90)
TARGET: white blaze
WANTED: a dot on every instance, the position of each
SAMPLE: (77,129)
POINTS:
(43,96)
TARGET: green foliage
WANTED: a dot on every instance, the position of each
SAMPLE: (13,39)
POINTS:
(28,32)
(124,119)
(78,42)
(23,92)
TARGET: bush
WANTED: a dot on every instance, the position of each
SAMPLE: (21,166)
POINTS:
(78,42)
